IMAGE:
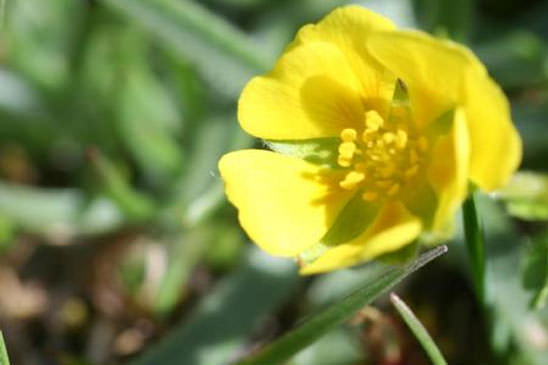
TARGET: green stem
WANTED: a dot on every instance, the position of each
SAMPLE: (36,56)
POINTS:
(418,330)
(475,244)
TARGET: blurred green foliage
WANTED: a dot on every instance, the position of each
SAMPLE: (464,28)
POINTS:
(113,114)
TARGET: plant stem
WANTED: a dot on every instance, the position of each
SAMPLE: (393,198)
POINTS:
(475,244)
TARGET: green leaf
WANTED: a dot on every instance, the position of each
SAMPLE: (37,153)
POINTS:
(535,276)
(418,330)
(57,213)
(135,205)
(526,196)
(43,60)
(475,244)
(515,326)
(223,54)
(291,343)
(145,111)
(4,359)
(217,329)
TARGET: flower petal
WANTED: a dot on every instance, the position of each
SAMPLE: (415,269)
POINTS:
(283,204)
(495,143)
(349,28)
(441,75)
(312,92)
(393,228)
(448,170)
(432,69)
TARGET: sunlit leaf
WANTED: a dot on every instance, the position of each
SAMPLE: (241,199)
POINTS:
(526,196)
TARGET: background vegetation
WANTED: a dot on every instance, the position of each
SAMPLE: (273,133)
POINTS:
(117,244)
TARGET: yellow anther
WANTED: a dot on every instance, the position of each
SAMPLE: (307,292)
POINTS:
(369,196)
(388,137)
(412,171)
(373,121)
(351,180)
(360,167)
(344,162)
(349,135)
(347,149)
(401,139)
(422,143)
(358,152)
(393,190)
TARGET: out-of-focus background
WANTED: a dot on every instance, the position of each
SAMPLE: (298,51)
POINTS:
(117,244)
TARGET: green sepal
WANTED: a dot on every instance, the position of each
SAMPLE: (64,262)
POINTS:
(319,151)
(353,220)
(442,125)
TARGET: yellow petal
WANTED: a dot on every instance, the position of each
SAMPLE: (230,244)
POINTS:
(311,93)
(284,204)
(432,69)
(448,170)
(496,149)
(441,75)
(394,228)
(349,28)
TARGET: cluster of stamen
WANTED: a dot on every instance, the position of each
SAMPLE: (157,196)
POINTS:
(382,158)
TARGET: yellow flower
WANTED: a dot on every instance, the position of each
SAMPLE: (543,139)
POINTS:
(377,133)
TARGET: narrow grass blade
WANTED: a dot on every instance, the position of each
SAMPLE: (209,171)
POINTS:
(291,343)
(535,275)
(473,234)
(4,359)
(2,12)
(418,330)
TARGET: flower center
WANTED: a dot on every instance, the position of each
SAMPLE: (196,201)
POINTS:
(382,157)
